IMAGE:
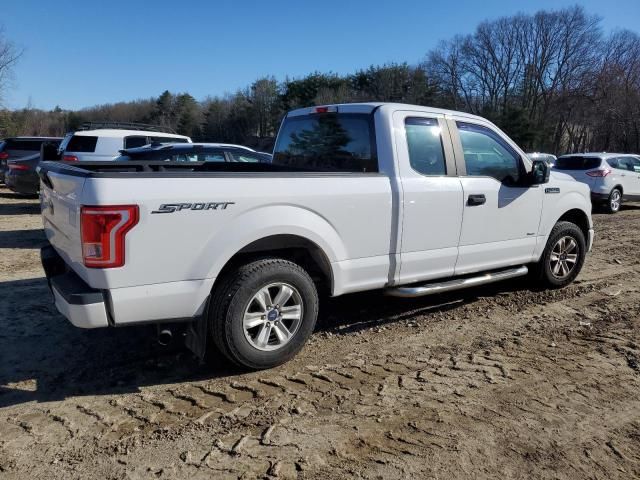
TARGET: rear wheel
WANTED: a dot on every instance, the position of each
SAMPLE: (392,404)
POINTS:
(563,256)
(614,202)
(263,313)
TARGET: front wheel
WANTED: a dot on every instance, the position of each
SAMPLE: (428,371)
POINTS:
(263,313)
(563,256)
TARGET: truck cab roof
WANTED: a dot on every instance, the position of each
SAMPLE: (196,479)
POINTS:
(370,107)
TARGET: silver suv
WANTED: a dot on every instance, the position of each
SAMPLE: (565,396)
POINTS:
(611,177)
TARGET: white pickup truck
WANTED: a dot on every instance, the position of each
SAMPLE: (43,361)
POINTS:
(408,199)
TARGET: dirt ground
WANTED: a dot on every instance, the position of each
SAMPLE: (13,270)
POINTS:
(496,382)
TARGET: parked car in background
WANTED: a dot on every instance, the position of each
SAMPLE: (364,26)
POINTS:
(102,141)
(21,175)
(611,177)
(547,157)
(411,199)
(194,152)
(16,148)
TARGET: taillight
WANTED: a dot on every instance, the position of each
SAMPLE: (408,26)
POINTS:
(4,155)
(18,166)
(102,231)
(70,158)
(599,173)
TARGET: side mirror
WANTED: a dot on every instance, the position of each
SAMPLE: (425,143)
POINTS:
(539,172)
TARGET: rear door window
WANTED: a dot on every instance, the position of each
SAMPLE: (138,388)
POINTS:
(82,143)
(244,157)
(135,141)
(577,163)
(211,157)
(426,153)
(168,140)
(327,142)
(628,163)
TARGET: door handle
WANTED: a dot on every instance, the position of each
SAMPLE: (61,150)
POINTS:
(476,199)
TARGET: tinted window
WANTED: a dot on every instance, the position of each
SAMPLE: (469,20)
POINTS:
(577,163)
(15,144)
(426,153)
(82,143)
(327,142)
(613,162)
(487,154)
(628,163)
(211,157)
(244,157)
(135,141)
(168,140)
(178,155)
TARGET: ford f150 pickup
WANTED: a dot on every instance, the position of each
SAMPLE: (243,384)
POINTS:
(407,199)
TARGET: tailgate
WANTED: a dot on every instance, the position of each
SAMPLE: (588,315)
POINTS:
(60,195)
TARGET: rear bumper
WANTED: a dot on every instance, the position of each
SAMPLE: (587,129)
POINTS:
(82,305)
(590,239)
(24,183)
(87,307)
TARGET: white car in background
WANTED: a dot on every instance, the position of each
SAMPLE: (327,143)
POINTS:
(611,177)
(547,157)
(103,141)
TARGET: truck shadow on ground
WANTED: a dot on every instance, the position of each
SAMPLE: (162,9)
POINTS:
(44,358)
(21,208)
(6,193)
(29,239)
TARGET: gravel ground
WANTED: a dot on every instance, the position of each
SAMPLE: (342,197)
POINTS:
(495,382)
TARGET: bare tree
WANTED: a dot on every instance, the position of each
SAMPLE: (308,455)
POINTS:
(9,55)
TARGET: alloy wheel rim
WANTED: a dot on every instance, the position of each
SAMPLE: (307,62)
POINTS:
(615,200)
(273,316)
(564,257)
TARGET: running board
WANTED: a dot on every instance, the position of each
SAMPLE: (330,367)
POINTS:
(441,287)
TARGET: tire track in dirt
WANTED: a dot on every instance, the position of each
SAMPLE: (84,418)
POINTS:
(495,382)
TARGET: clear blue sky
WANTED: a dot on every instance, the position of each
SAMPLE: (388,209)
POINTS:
(84,53)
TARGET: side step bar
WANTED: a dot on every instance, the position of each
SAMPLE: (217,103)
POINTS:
(441,287)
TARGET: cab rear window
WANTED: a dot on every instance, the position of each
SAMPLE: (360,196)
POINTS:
(577,163)
(82,143)
(331,142)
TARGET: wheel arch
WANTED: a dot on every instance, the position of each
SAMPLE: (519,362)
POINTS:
(578,217)
(296,248)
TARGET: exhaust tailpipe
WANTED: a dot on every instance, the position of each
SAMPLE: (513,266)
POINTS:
(165,336)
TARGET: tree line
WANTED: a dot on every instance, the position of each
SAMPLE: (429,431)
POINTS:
(554,81)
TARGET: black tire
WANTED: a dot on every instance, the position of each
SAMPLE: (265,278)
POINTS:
(544,269)
(233,297)
(614,202)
